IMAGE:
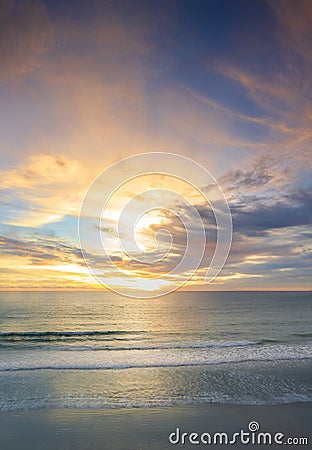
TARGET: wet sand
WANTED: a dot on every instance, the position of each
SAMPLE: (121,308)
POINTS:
(140,429)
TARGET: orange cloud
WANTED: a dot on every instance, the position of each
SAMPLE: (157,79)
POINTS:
(51,185)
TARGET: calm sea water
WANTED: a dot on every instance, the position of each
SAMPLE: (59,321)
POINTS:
(94,349)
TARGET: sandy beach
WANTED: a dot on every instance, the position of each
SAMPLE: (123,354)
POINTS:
(140,429)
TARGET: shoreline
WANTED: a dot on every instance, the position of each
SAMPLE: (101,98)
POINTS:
(146,428)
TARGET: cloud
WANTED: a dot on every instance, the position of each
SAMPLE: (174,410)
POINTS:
(291,210)
(43,189)
(281,91)
(40,250)
(87,91)
(268,192)
(40,172)
(201,123)
(25,35)
(262,173)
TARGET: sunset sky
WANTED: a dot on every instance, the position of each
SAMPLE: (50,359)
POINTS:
(227,83)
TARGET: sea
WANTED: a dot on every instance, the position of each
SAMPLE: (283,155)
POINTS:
(101,350)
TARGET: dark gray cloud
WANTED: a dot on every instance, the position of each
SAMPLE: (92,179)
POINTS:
(292,210)
(272,237)
(43,250)
(40,249)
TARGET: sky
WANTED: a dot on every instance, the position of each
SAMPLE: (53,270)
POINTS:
(84,84)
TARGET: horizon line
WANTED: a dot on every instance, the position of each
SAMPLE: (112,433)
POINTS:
(182,290)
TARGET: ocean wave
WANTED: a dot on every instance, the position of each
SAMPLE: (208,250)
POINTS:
(304,335)
(42,334)
(150,366)
(167,346)
(39,339)
(158,347)
(102,403)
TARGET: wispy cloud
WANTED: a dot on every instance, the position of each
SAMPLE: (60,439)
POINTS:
(33,192)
